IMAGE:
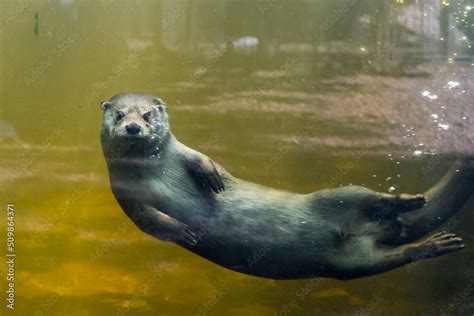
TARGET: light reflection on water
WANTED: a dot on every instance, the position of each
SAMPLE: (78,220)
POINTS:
(290,109)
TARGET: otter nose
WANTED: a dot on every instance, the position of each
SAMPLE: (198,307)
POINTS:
(133,129)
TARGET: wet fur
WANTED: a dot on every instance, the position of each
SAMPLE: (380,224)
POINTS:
(173,193)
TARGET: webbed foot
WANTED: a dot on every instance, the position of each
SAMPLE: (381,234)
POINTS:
(435,246)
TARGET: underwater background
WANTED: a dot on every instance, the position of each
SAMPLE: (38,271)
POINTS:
(298,95)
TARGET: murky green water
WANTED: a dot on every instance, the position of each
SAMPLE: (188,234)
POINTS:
(294,95)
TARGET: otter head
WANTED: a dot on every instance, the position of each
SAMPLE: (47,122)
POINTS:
(140,121)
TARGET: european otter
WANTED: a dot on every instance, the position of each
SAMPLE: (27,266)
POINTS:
(177,194)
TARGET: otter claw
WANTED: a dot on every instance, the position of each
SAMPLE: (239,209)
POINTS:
(188,236)
(218,184)
(210,182)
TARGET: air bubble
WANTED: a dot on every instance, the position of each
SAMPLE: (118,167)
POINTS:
(451,85)
(428,95)
(443,126)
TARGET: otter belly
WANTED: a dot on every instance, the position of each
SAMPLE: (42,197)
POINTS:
(247,228)
(252,229)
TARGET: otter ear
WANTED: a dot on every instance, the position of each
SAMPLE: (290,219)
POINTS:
(105,105)
(160,105)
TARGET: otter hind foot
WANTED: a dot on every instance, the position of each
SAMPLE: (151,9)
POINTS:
(436,245)
(380,258)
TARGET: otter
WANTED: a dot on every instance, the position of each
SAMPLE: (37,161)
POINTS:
(177,194)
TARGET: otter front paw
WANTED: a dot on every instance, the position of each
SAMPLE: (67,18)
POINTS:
(205,173)
(187,235)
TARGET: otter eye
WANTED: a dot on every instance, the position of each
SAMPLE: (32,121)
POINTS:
(147,117)
(119,116)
